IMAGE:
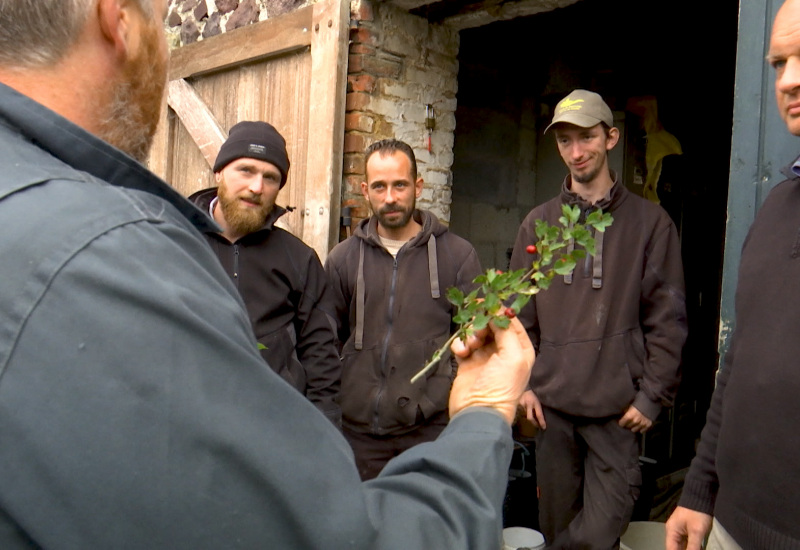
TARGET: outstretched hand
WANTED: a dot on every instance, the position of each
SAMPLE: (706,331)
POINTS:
(494,369)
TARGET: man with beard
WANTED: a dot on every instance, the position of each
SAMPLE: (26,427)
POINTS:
(609,337)
(135,409)
(279,277)
(389,283)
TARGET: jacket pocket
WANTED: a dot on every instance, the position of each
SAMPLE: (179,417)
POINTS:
(589,378)
(281,356)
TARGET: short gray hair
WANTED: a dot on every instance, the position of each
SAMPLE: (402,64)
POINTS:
(37,33)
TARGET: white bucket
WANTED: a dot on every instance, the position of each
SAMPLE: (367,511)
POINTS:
(522,538)
(644,535)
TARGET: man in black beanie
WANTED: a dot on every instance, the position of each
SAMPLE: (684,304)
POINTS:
(279,277)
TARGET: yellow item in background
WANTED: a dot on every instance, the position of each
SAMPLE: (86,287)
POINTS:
(660,143)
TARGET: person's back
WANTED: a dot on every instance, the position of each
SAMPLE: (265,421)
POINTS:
(135,410)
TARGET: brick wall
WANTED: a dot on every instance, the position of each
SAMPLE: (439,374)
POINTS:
(400,63)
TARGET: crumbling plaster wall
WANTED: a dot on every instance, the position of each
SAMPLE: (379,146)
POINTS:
(398,64)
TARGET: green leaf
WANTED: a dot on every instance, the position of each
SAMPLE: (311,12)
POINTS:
(564,265)
(455,296)
(491,302)
(462,317)
(481,321)
(502,321)
(520,302)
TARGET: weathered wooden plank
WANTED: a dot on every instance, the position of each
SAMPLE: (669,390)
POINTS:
(159,158)
(326,124)
(198,120)
(268,38)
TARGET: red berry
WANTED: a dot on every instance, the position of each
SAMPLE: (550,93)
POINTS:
(508,312)
(563,260)
(498,272)
(530,249)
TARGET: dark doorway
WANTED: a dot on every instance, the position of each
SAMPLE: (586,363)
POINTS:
(680,53)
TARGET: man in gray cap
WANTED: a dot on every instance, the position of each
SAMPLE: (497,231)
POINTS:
(279,277)
(609,337)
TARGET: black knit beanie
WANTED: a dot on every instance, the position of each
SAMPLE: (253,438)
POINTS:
(256,140)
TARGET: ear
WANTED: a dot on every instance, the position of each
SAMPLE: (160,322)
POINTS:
(364,190)
(116,25)
(612,139)
(218,176)
(418,185)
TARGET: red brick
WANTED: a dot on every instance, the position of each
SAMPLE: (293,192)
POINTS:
(354,184)
(364,12)
(360,83)
(381,67)
(363,35)
(354,143)
(354,163)
(359,48)
(356,101)
(359,122)
(355,64)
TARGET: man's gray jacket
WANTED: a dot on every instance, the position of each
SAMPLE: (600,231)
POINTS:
(135,410)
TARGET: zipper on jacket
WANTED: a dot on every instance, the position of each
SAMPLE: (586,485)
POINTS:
(385,350)
(236,265)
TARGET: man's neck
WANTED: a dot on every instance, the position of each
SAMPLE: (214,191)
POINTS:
(594,190)
(405,233)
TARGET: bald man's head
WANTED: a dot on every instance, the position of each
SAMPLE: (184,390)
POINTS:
(784,56)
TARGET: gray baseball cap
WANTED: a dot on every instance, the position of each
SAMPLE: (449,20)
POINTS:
(582,108)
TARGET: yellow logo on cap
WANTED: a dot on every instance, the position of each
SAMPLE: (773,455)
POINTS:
(569,105)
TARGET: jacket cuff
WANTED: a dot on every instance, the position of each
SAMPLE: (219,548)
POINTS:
(698,496)
(647,407)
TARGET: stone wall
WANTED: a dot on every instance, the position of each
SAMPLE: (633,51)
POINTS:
(192,20)
(400,64)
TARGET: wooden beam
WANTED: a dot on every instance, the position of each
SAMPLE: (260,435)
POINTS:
(159,158)
(268,38)
(329,41)
(197,119)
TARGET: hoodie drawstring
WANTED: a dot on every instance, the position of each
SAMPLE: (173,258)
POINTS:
(433,268)
(360,300)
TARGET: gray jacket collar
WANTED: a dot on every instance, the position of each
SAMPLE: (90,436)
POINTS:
(85,152)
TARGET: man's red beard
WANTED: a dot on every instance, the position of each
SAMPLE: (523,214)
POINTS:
(242,220)
(135,107)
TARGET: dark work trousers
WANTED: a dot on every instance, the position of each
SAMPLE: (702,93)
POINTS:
(588,475)
(373,452)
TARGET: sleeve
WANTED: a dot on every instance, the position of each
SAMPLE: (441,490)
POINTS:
(142,415)
(663,321)
(521,259)
(316,342)
(701,484)
(341,291)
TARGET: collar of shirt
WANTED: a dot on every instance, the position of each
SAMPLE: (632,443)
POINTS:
(86,152)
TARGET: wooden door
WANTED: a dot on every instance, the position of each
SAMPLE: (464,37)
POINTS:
(289,71)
